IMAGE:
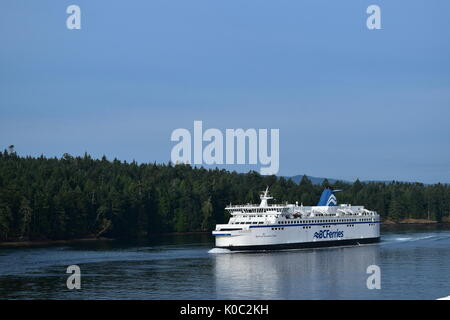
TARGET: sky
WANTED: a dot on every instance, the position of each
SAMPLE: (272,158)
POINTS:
(349,102)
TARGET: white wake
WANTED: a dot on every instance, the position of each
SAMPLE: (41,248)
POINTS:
(219,250)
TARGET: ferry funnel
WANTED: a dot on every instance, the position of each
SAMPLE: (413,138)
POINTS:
(327,198)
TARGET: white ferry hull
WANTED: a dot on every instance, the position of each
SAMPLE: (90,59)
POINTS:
(275,237)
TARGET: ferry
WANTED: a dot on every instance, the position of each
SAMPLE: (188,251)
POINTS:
(292,226)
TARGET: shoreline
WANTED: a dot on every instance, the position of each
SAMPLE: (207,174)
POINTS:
(412,221)
(37,243)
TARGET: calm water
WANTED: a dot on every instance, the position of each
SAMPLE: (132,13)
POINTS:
(414,262)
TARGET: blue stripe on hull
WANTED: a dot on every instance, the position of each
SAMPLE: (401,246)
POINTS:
(304,245)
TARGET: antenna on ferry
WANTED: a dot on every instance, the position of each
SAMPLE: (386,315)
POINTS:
(264,197)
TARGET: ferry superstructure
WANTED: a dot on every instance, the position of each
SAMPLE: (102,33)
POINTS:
(277,226)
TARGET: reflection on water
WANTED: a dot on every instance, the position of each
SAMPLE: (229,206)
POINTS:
(414,264)
(314,273)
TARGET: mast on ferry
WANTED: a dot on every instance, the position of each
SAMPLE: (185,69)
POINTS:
(264,197)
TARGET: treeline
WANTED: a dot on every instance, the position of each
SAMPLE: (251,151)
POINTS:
(74,197)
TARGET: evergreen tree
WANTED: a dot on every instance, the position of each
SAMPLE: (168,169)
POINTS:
(207,211)
(25,213)
(5,221)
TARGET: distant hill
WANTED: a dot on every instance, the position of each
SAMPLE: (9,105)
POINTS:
(319,180)
(314,180)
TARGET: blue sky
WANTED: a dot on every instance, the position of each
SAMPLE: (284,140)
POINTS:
(349,102)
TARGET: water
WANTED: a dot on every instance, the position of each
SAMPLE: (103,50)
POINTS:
(414,262)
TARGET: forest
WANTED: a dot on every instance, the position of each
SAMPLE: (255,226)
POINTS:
(75,197)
